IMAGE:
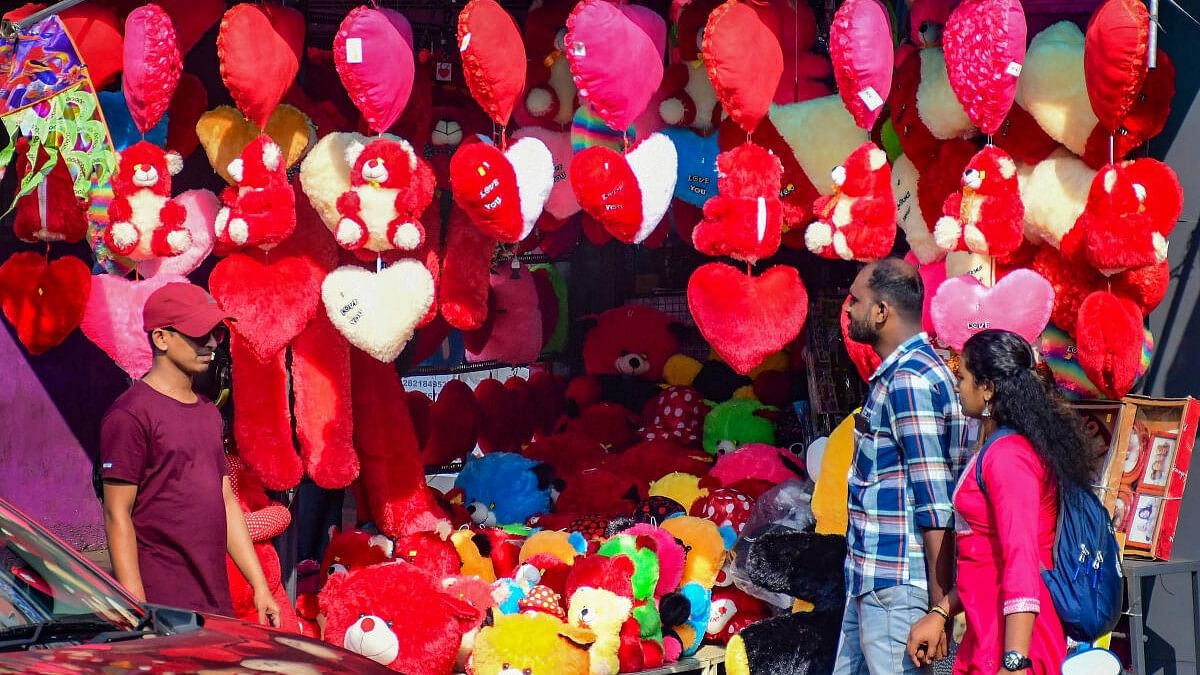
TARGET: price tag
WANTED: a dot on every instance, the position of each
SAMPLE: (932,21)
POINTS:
(871,97)
(1013,69)
(354,52)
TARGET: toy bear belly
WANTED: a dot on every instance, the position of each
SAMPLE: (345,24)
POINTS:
(700,88)
(972,206)
(145,206)
(841,211)
(378,209)
(563,85)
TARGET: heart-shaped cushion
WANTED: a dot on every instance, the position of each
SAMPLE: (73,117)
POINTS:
(1020,302)
(606,44)
(96,31)
(984,44)
(152,64)
(515,334)
(1116,59)
(224,133)
(862,63)
(655,165)
(484,184)
(201,207)
(608,191)
(187,105)
(378,312)
(533,166)
(1109,336)
(562,203)
(745,318)
(260,48)
(192,19)
(43,301)
(373,52)
(863,356)
(113,319)
(696,176)
(493,57)
(744,61)
(1145,119)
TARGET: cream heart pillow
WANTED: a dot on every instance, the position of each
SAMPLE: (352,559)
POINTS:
(378,311)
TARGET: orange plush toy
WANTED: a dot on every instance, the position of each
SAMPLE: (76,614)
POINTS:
(260,209)
(146,222)
(858,221)
(986,216)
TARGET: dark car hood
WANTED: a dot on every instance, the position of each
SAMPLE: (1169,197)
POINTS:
(221,646)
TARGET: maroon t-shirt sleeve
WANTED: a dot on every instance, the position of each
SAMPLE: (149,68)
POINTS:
(122,447)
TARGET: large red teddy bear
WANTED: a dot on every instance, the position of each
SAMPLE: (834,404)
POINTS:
(1131,209)
(144,221)
(986,216)
(260,209)
(858,221)
(390,187)
(51,212)
(745,219)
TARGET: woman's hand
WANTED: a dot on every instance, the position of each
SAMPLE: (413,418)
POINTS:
(927,640)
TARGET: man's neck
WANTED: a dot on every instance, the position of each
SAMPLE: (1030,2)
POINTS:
(891,342)
(170,381)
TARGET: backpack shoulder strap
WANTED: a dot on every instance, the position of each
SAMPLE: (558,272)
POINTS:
(999,433)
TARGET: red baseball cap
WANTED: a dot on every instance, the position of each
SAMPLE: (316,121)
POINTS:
(185,307)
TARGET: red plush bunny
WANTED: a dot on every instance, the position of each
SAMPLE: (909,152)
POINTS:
(260,209)
(144,221)
(390,187)
(745,219)
(986,216)
(858,221)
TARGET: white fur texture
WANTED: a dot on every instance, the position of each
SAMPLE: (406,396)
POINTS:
(937,105)
(821,133)
(1052,87)
(534,166)
(905,180)
(236,169)
(538,101)
(700,88)
(174,163)
(325,175)
(818,235)
(946,233)
(979,266)
(271,156)
(655,164)
(1054,196)
(378,312)
(671,111)
(371,637)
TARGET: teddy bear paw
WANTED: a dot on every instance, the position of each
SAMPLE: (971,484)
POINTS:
(239,231)
(841,246)
(672,111)
(975,240)
(539,102)
(406,237)
(124,237)
(1160,247)
(179,241)
(350,233)
(818,236)
(946,233)
(221,222)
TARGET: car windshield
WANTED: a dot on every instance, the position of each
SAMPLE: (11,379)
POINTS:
(42,582)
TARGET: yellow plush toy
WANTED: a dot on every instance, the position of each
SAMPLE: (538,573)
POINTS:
(532,644)
(562,545)
(683,488)
(830,494)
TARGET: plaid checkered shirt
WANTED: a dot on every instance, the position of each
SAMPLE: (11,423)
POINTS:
(910,446)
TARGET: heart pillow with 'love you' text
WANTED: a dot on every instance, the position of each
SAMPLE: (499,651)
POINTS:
(503,192)
(1020,302)
(44,301)
(378,311)
(608,191)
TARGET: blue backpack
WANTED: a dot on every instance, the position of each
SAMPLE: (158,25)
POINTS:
(1086,583)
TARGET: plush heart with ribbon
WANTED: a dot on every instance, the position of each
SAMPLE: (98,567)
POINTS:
(863,356)
(608,191)
(1020,302)
(373,52)
(503,192)
(224,133)
(113,319)
(862,63)
(1116,59)
(606,45)
(192,19)
(493,57)
(562,203)
(201,207)
(1109,336)
(152,64)
(260,48)
(378,312)
(745,318)
(984,43)
(273,296)
(187,105)
(744,61)
(43,301)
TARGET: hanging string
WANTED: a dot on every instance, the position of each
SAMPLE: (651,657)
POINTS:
(1112,151)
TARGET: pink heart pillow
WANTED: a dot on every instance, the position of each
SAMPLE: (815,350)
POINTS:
(113,319)
(607,45)
(984,45)
(1020,302)
(201,207)
(515,326)
(373,52)
(562,203)
(862,62)
(152,65)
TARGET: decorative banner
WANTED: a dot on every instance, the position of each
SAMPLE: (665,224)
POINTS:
(373,53)
(984,45)
(152,65)
(493,56)
(260,48)
(863,59)
(1020,302)
(744,61)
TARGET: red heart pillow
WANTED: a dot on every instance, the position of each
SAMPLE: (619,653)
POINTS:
(607,190)
(493,57)
(744,61)
(260,47)
(484,184)
(1116,59)
(1109,335)
(43,301)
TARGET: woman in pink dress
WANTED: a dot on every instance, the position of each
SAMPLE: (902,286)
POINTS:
(1005,537)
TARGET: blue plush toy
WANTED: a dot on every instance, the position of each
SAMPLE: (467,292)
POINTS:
(502,488)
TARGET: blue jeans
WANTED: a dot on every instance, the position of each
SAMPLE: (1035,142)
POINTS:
(875,632)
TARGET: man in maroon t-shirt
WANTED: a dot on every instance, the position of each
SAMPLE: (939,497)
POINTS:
(169,511)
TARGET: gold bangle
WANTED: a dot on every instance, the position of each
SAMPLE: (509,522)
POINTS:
(937,609)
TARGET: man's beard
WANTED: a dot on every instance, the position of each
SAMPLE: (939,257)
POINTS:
(862,332)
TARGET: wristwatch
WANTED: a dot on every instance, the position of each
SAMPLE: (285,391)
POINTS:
(1015,661)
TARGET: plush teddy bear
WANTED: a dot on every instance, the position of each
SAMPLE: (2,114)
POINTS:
(688,97)
(858,221)
(51,212)
(260,208)
(370,612)
(534,643)
(144,221)
(738,422)
(550,94)
(503,488)
(390,187)
(600,598)
(650,460)
(429,551)
(986,216)
(686,613)
(732,611)
(1131,209)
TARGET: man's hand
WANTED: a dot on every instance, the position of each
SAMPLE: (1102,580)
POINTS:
(927,640)
(268,609)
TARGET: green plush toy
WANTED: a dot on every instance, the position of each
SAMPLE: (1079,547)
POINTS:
(645,579)
(738,422)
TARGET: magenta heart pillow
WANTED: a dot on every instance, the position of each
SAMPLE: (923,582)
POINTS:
(152,65)
(113,319)
(984,43)
(201,207)
(373,52)
(615,62)
(1020,302)
(862,63)
(562,203)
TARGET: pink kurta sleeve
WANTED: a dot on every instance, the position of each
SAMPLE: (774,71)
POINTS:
(1015,477)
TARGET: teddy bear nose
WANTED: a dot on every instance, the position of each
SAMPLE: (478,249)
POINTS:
(635,362)
(368,625)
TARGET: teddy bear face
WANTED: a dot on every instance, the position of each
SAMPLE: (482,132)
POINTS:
(598,610)
(860,174)
(146,166)
(353,549)
(990,173)
(531,644)
(749,170)
(634,341)
(374,638)
(382,163)
(504,488)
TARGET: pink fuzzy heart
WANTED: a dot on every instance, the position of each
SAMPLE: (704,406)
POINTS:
(113,319)
(152,65)
(984,44)
(373,52)
(862,63)
(1020,302)
(201,207)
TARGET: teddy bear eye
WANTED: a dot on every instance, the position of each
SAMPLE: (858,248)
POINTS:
(528,671)
(504,666)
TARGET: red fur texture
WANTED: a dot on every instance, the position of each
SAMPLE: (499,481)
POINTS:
(521,400)
(748,197)
(1070,276)
(260,208)
(393,476)
(609,423)
(484,184)
(389,169)
(608,191)
(1109,337)
(51,212)
(43,301)
(858,221)
(1022,137)
(602,492)
(144,176)
(262,423)
(324,415)
(495,432)
(465,269)
(454,420)
(1130,210)
(650,460)
(429,552)
(986,216)
(1146,286)
(418,410)
(548,392)
(567,452)
(795,188)
(630,331)
(1144,121)
(942,177)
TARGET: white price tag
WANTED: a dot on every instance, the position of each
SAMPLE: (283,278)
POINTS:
(354,50)
(466,42)
(871,97)
(1013,69)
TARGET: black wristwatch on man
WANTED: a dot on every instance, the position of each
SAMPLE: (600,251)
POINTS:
(1015,661)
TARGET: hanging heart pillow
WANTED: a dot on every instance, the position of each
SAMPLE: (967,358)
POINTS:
(192,19)
(201,207)
(96,31)
(373,52)
(1116,59)
(493,57)
(744,61)
(260,48)
(654,164)
(43,301)
(224,133)
(696,178)
(112,319)
(862,60)
(187,105)
(984,43)
(378,312)
(152,64)
(608,191)
(745,318)
(1020,302)
(1109,336)
(562,203)
(503,192)
(616,58)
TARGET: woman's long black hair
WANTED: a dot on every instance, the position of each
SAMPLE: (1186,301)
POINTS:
(1030,405)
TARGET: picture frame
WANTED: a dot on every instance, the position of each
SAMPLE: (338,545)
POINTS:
(1144,522)
(1159,460)
(1132,465)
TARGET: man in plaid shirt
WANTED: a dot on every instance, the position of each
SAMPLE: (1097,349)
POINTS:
(910,445)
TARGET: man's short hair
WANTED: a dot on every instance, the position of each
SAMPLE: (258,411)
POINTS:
(898,283)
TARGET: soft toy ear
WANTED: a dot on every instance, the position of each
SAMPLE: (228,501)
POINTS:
(545,476)
(674,609)
(174,162)
(353,150)
(412,156)
(728,535)
(588,322)
(578,542)
(382,543)
(271,156)
(581,637)
(236,170)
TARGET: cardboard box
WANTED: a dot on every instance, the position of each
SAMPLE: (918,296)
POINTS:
(1102,421)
